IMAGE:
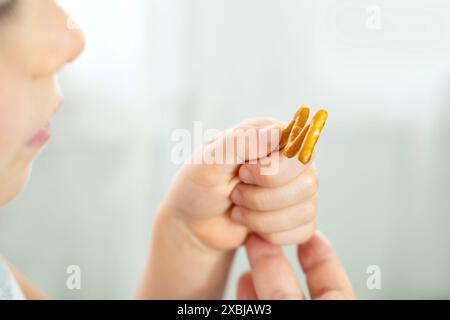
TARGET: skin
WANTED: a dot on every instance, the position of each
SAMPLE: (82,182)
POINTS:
(273,278)
(29,94)
(281,208)
(209,210)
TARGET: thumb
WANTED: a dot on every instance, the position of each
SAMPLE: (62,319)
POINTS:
(246,142)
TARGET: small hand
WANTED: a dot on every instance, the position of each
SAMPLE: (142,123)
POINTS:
(221,203)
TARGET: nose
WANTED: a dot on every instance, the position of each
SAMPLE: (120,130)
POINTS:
(75,41)
(58,41)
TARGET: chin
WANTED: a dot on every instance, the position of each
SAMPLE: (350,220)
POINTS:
(13,183)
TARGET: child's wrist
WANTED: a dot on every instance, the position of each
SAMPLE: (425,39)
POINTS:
(171,222)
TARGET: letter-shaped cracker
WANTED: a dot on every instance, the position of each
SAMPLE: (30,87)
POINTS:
(294,146)
(297,123)
(313,134)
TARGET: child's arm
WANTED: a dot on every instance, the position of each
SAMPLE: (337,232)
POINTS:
(180,267)
(212,207)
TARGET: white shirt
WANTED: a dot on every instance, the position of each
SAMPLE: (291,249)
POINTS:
(9,289)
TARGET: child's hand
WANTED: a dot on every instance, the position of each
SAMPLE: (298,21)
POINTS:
(221,203)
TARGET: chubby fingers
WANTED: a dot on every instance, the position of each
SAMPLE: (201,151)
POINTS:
(259,198)
(325,275)
(282,215)
(272,171)
(279,220)
(248,141)
(272,277)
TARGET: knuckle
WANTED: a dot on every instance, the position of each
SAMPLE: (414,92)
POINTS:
(310,210)
(274,238)
(261,203)
(266,180)
(258,225)
(309,230)
(255,170)
(261,178)
(311,183)
(295,236)
(255,200)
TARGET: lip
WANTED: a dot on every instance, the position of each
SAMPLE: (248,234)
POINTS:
(41,137)
(44,134)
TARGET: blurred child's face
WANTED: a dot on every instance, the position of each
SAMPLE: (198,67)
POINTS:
(35,43)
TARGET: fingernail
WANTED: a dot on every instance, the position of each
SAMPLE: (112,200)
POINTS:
(246,176)
(237,215)
(236,196)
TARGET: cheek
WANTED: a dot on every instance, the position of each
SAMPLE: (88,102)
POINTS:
(12,121)
(14,164)
(14,159)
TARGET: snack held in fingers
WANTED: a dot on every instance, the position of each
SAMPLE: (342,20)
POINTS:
(312,136)
(301,138)
(294,146)
(302,117)
(302,114)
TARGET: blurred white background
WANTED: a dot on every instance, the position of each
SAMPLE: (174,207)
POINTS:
(152,66)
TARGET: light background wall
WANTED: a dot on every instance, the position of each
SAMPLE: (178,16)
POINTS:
(152,66)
